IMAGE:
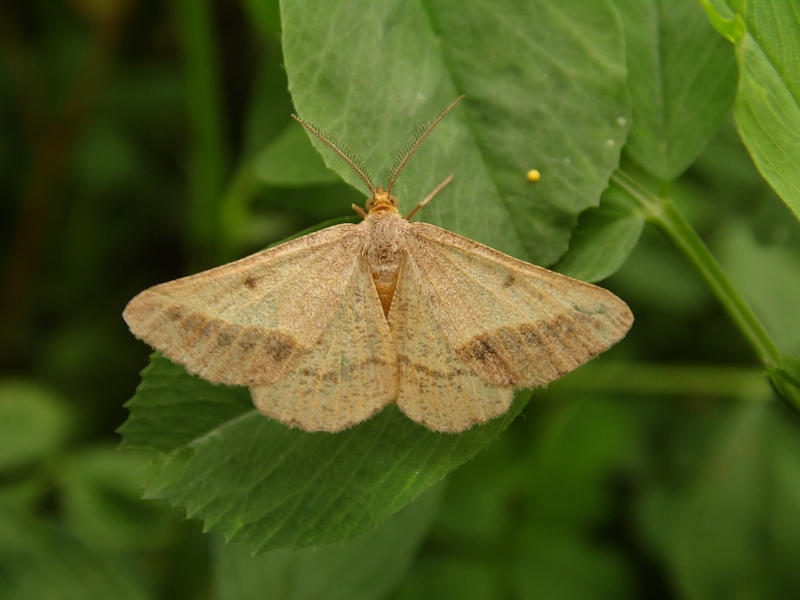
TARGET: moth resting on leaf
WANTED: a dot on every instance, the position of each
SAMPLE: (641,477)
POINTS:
(329,328)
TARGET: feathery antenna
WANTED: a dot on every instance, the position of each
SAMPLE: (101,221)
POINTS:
(341,150)
(411,145)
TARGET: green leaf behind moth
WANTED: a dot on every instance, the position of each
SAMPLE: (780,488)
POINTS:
(545,89)
(261,482)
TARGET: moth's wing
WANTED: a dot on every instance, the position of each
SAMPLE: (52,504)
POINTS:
(252,320)
(513,323)
(348,375)
(436,388)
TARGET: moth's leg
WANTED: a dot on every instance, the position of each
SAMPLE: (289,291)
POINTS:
(429,197)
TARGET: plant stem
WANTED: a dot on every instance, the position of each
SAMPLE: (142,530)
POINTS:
(662,212)
(210,158)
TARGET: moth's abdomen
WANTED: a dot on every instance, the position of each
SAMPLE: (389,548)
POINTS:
(385,263)
(385,254)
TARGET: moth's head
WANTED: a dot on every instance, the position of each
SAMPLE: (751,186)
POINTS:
(381,200)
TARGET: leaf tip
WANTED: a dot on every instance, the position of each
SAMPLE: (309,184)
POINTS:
(729,25)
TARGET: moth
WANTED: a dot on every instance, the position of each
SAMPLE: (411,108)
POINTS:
(329,328)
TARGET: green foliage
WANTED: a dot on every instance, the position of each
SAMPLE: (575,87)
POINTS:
(374,91)
(261,482)
(681,79)
(289,160)
(767,44)
(604,238)
(141,141)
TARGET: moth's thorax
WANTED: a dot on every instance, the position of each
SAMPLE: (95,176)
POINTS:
(384,250)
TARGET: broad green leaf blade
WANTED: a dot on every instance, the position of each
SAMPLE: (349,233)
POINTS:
(768,118)
(291,160)
(604,238)
(767,39)
(172,410)
(545,87)
(682,80)
(258,481)
(365,568)
(724,20)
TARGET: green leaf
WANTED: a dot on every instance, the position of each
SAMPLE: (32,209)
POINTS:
(604,238)
(34,423)
(39,561)
(682,81)
(767,39)
(366,567)
(724,20)
(291,160)
(171,409)
(545,89)
(258,481)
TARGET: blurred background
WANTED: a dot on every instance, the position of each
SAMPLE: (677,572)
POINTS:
(682,483)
